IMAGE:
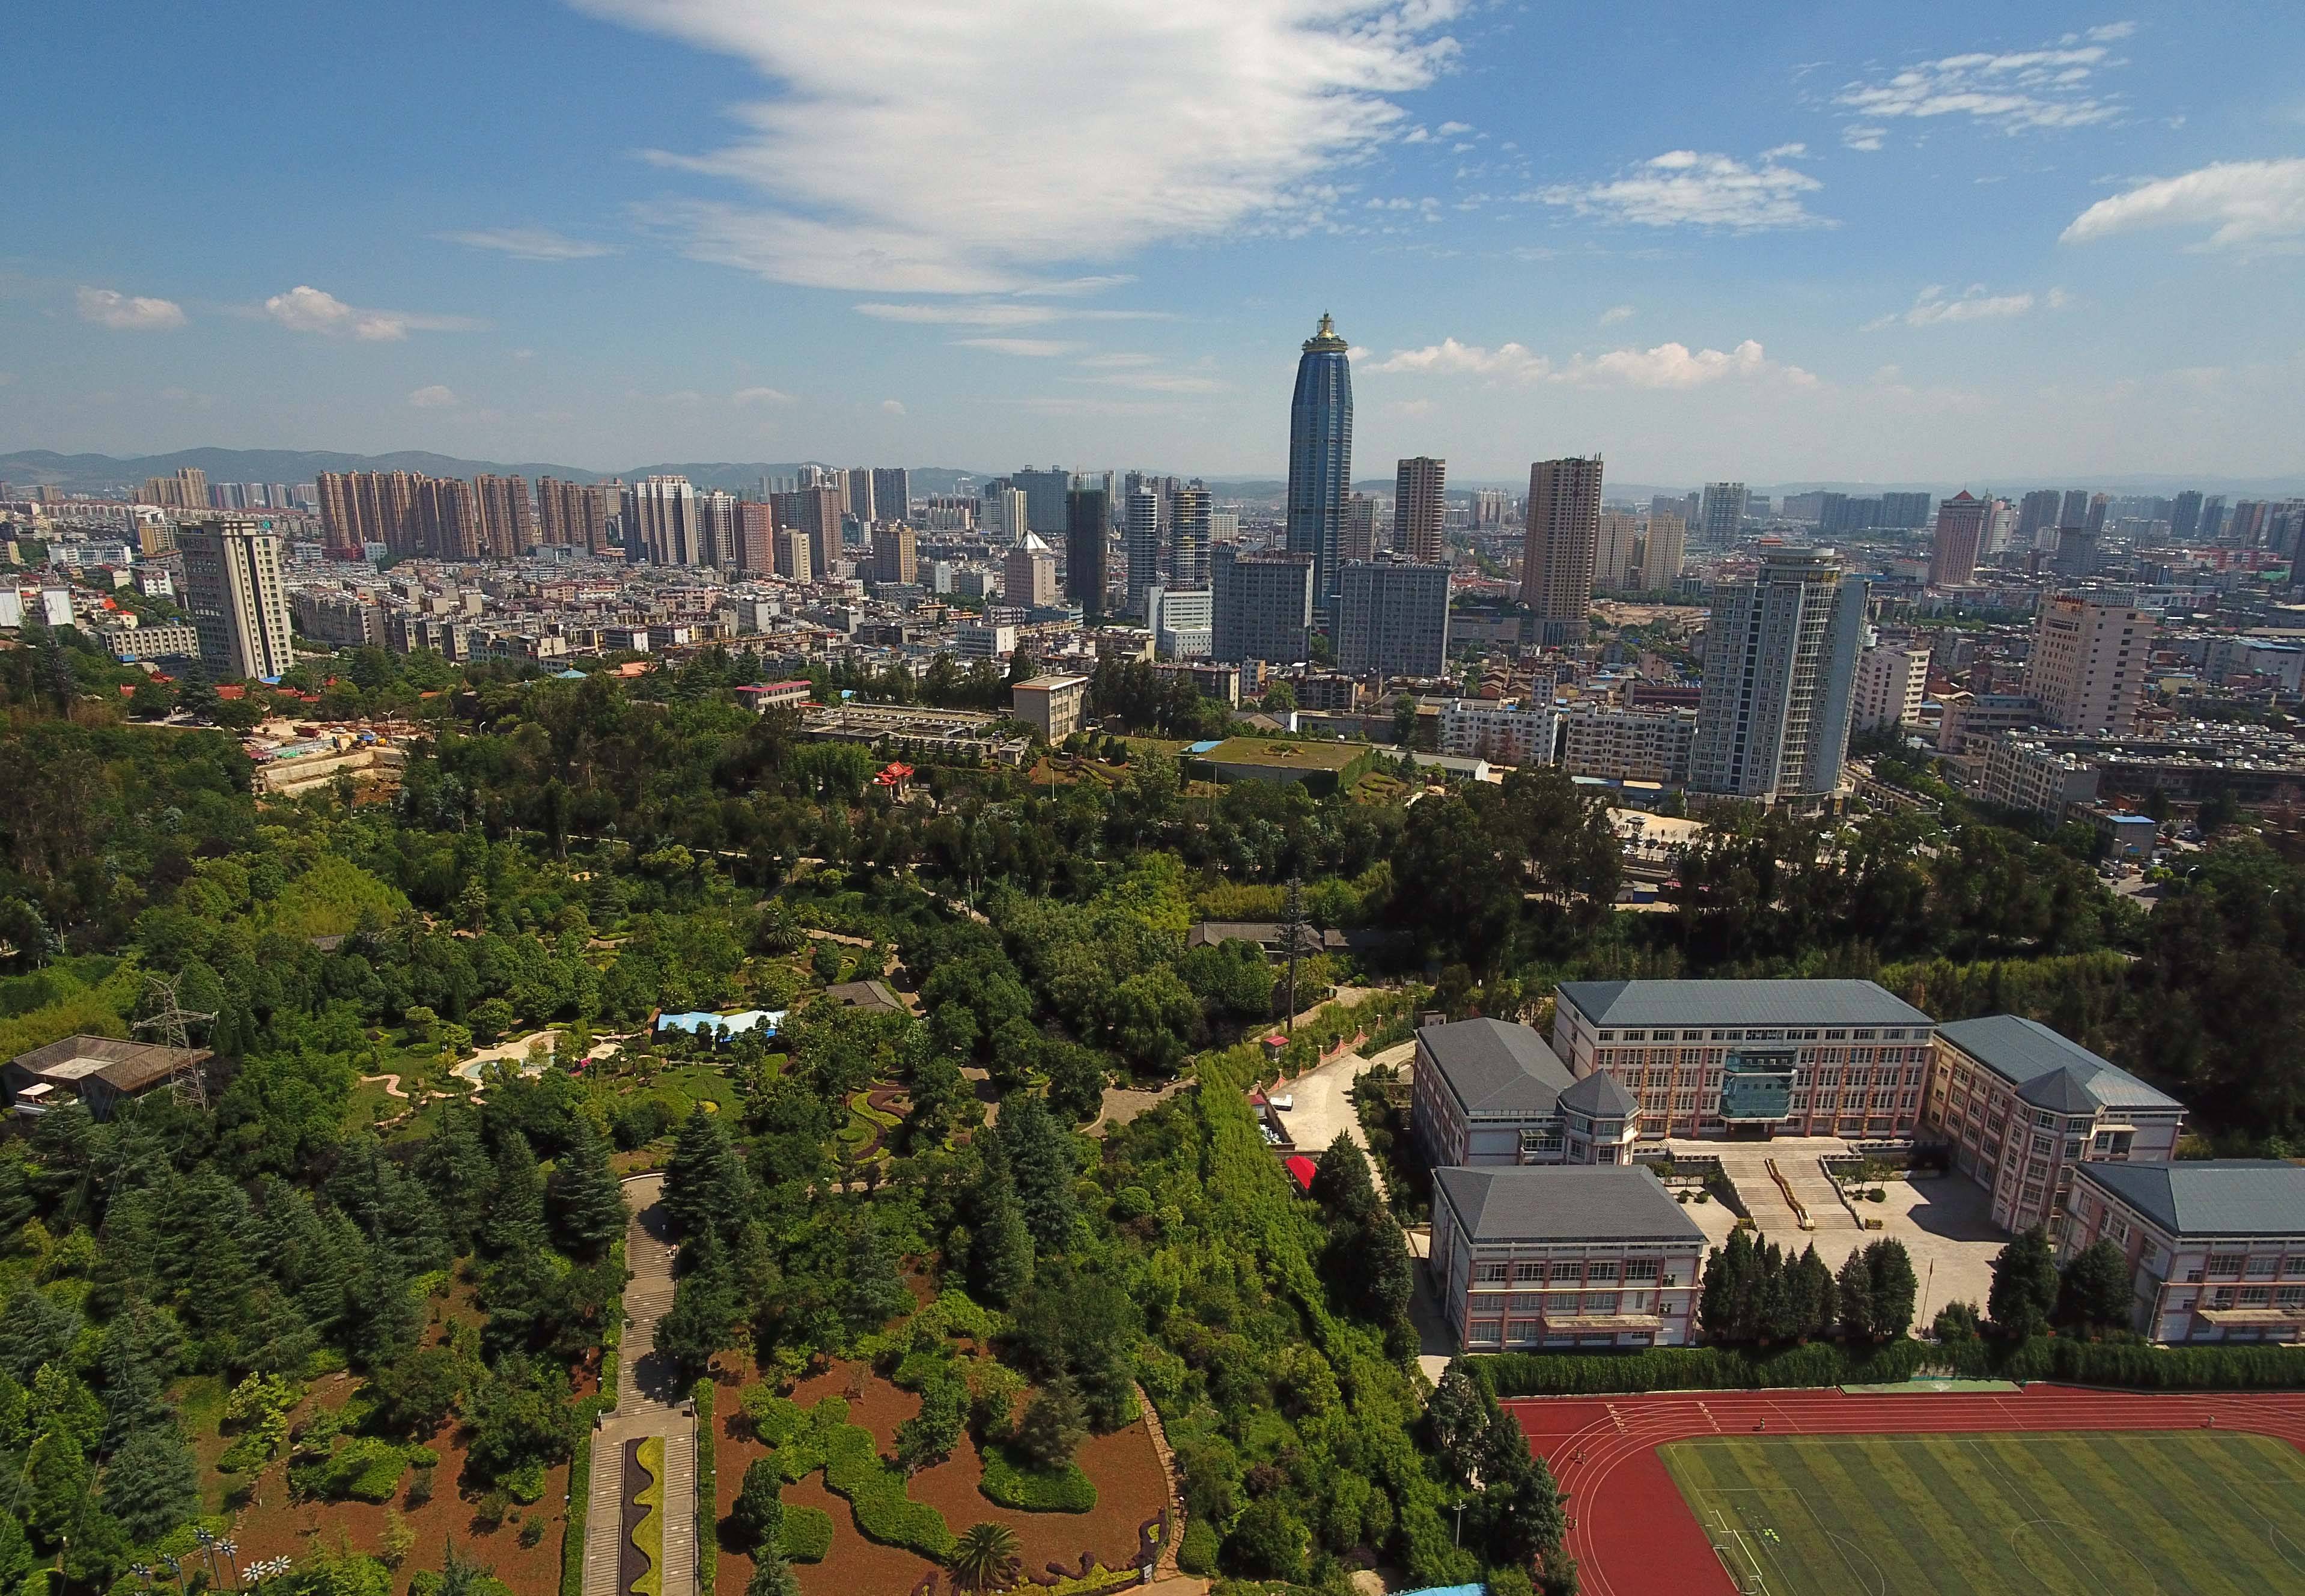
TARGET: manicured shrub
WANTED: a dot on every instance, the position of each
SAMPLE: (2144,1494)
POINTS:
(1197,1553)
(807,1534)
(875,1489)
(1017,1482)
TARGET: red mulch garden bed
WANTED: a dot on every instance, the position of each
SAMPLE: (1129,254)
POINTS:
(1129,1489)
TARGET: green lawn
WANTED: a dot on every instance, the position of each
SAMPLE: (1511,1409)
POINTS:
(2126,1514)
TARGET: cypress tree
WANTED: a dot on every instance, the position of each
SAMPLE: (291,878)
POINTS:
(587,1204)
(1000,1252)
(1042,1162)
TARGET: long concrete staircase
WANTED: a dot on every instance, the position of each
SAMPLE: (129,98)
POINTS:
(649,1402)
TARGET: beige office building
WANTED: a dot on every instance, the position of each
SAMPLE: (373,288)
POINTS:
(1360,528)
(2089,663)
(239,608)
(1563,529)
(1028,574)
(1418,507)
(1614,551)
(894,557)
(1891,681)
(1662,548)
(1050,705)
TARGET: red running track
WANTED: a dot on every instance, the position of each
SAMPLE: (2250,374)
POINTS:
(1632,1535)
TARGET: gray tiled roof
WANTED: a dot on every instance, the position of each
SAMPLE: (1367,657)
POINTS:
(1564,1202)
(2210,1197)
(1739,1003)
(2049,1070)
(1600,1094)
(1494,1067)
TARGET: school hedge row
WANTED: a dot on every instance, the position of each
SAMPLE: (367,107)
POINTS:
(708,1505)
(2129,1365)
(1010,1482)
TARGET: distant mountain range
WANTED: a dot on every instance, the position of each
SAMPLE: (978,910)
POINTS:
(95,473)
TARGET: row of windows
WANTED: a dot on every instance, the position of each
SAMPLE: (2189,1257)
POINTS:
(1862,1035)
(1598,1271)
(1489,1332)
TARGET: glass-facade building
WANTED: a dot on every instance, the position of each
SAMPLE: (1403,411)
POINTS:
(1321,458)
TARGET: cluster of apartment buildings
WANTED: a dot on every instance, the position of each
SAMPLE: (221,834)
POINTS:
(1548,1231)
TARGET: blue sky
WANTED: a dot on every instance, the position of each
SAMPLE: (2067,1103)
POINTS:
(1963,242)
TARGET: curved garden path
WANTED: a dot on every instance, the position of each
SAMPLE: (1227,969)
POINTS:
(649,1402)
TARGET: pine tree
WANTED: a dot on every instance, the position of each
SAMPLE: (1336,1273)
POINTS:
(587,1202)
(1815,1294)
(772,1575)
(454,1167)
(1854,1286)
(382,1316)
(871,1290)
(55,1482)
(1456,1414)
(153,1483)
(35,1329)
(1723,1307)
(134,1378)
(516,1221)
(1388,1270)
(1000,1252)
(1892,1288)
(1042,1162)
(1341,1184)
(706,1185)
(2096,1292)
(2024,1286)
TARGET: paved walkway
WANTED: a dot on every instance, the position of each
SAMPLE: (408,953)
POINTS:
(649,1402)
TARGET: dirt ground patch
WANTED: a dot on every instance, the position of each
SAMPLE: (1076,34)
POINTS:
(273,1526)
(1129,1489)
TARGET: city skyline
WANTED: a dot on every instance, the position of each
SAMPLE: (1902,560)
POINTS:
(1966,248)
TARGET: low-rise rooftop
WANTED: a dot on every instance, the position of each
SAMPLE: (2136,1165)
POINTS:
(1565,1202)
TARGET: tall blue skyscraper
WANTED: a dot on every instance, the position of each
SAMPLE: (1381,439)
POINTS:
(1321,458)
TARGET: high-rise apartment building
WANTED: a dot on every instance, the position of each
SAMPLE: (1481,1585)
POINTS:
(2089,663)
(1662,548)
(2074,509)
(1360,539)
(239,605)
(187,489)
(1003,518)
(892,493)
(1559,546)
(894,555)
(1722,513)
(1780,676)
(1087,511)
(857,482)
(1261,608)
(340,514)
(1614,551)
(815,512)
(443,521)
(1892,680)
(572,514)
(506,526)
(1392,619)
(1490,506)
(1419,509)
(2184,516)
(719,529)
(1140,548)
(1905,511)
(756,533)
(2213,518)
(1189,537)
(1028,575)
(1960,537)
(2036,510)
(661,518)
(789,547)
(1047,504)
(1321,458)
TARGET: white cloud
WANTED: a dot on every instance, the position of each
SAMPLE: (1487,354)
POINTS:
(2012,90)
(759,396)
(528,243)
(1665,366)
(2253,205)
(1156,382)
(125,313)
(1615,314)
(1038,348)
(885,165)
(435,397)
(1930,307)
(1449,130)
(895,407)
(308,310)
(1687,187)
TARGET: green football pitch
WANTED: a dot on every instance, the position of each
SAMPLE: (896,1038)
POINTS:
(2131,1513)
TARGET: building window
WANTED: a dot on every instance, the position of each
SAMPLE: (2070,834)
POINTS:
(1529,1271)
(1528,1302)
(2256,1297)
(2264,1265)
(2225,1264)
(1561,1302)
(1601,1302)
(1600,1274)
(1482,1331)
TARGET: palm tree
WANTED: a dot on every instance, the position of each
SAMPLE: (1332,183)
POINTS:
(985,1554)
